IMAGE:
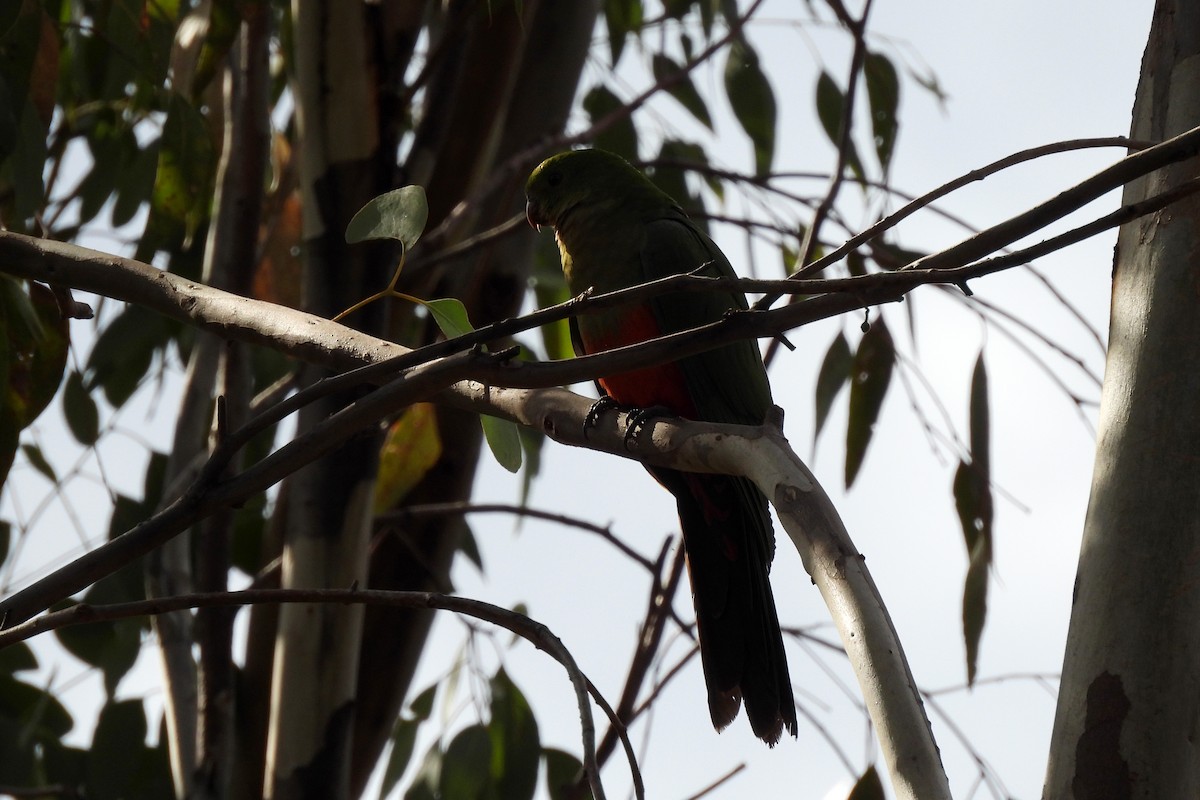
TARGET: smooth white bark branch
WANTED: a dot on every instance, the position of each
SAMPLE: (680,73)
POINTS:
(761,453)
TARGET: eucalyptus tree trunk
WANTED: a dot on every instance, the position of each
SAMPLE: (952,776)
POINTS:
(1130,693)
(499,80)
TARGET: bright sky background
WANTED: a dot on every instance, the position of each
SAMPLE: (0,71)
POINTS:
(1017,75)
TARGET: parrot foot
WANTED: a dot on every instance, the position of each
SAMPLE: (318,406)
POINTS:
(638,417)
(605,403)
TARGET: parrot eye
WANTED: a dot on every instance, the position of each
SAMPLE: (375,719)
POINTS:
(554,178)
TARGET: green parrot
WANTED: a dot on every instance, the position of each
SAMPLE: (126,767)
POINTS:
(616,229)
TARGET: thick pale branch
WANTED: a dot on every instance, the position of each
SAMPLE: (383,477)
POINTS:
(830,558)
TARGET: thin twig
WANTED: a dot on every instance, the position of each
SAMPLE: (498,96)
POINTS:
(525,159)
(440,509)
(210,492)
(712,787)
(535,632)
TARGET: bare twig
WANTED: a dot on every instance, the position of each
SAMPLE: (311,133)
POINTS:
(662,594)
(439,509)
(210,492)
(527,158)
(712,787)
(531,630)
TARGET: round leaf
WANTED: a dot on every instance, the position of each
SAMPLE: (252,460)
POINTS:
(465,773)
(399,214)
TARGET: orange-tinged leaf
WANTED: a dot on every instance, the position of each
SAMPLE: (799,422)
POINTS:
(410,449)
(277,278)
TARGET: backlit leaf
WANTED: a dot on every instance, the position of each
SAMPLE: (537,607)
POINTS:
(450,315)
(184,177)
(38,711)
(80,410)
(871,374)
(830,103)
(425,783)
(867,787)
(124,351)
(883,94)
(136,184)
(563,772)
(973,501)
(18,656)
(752,101)
(403,740)
(112,765)
(834,373)
(680,86)
(422,705)
(620,137)
(516,749)
(38,461)
(622,17)
(465,774)
(503,440)
(399,214)
(410,449)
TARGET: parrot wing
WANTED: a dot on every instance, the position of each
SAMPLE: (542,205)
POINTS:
(728,384)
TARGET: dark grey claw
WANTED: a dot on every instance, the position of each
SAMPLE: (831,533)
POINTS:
(638,417)
(605,403)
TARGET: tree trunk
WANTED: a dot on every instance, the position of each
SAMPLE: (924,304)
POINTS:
(1127,706)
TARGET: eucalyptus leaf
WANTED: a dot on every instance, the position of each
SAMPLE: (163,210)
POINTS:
(516,748)
(834,374)
(752,101)
(465,773)
(503,440)
(80,411)
(403,740)
(563,773)
(620,136)
(450,315)
(870,377)
(868,786)
(679,85)
(883,95)
(399,214)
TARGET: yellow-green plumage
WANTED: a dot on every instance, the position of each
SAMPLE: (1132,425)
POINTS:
(615,229)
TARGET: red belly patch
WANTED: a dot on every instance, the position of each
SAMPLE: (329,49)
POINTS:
(662,385)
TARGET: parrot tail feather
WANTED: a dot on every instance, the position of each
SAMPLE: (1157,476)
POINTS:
(729,541)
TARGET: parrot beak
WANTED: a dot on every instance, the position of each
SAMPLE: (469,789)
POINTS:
(531,214)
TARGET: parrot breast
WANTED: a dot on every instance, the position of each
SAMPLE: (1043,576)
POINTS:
(660,385)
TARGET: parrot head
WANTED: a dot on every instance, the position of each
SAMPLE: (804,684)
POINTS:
(583,179)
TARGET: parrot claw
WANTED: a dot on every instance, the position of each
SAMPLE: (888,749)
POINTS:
(638,417)
(605,403)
